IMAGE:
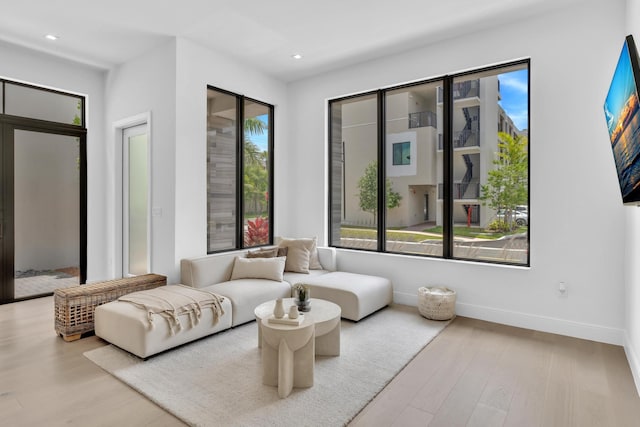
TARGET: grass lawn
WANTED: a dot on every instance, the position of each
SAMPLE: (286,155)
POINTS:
(405,236)
(434,233)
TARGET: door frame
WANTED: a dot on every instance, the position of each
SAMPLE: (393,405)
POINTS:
(8,125)
(119,127)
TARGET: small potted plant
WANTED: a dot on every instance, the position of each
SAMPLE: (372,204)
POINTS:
(302,297)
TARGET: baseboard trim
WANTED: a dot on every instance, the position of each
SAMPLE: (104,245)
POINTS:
(529,321)
(634,361)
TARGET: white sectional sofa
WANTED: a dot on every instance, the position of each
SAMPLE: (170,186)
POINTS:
(128,327)
(213,272)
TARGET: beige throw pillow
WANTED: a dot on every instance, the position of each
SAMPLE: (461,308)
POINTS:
(310,244)
(258,268)
(297,259)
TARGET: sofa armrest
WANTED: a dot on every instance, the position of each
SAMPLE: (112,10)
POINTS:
(328,258)
(208,270)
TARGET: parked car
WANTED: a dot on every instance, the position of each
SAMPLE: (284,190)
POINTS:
(521,218)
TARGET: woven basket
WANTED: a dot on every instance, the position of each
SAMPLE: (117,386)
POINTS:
(437,303)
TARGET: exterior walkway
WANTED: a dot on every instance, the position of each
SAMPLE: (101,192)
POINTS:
(421,226)
(42,284)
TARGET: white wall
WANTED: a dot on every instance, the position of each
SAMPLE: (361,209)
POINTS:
(44,70)
(198,67)
(171,82)
(632,246)
(577,220)
(145,84)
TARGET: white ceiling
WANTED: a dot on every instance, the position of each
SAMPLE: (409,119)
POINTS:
(262,34)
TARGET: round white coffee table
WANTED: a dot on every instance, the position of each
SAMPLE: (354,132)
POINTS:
(325,315)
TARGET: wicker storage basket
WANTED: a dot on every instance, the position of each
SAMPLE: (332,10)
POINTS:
(437,303)
(75,306)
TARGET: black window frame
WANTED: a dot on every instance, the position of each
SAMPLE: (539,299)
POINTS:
(80,98)
(240,138)
(448,170)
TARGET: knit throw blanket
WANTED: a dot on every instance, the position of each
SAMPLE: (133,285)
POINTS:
(172,301)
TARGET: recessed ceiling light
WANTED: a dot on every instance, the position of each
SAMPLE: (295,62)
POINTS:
(296,56)
(51,37)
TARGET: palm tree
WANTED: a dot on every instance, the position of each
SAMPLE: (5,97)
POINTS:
(255,173)
(253,126)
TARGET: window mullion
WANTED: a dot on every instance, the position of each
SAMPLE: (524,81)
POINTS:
(270,196)
(240,172)
(447,167)
(382,213)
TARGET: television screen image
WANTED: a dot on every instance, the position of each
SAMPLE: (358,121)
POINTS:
(623,121)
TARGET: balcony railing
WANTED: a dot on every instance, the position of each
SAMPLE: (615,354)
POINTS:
(423,119)
(461,139)
(462,191)
(461,90)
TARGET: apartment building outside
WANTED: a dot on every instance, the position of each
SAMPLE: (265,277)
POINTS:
(414,151)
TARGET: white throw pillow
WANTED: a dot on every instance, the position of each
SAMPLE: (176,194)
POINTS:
(258,268)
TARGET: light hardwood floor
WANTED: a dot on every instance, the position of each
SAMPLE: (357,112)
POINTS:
(474,373)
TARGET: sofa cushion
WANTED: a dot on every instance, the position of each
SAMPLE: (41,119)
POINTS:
(258,268)
(358,295)
(294,278)
(309,244)
(127,326)
(246,294)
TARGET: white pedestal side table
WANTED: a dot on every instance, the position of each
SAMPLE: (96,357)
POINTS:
(326,316)
(288,355)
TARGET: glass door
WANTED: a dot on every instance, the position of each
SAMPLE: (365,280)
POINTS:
(136,195)
(46,207)
(43,190)
(42,230)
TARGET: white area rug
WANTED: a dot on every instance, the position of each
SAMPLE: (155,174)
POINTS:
(218,380)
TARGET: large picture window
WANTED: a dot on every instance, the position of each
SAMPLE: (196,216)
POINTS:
(456,177)
(239,171)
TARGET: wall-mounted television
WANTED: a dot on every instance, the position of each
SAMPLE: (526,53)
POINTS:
(622,112)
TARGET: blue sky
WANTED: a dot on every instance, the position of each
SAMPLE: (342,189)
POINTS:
(261,140)
(514,90)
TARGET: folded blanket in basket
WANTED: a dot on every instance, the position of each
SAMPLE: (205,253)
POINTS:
(174,300)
